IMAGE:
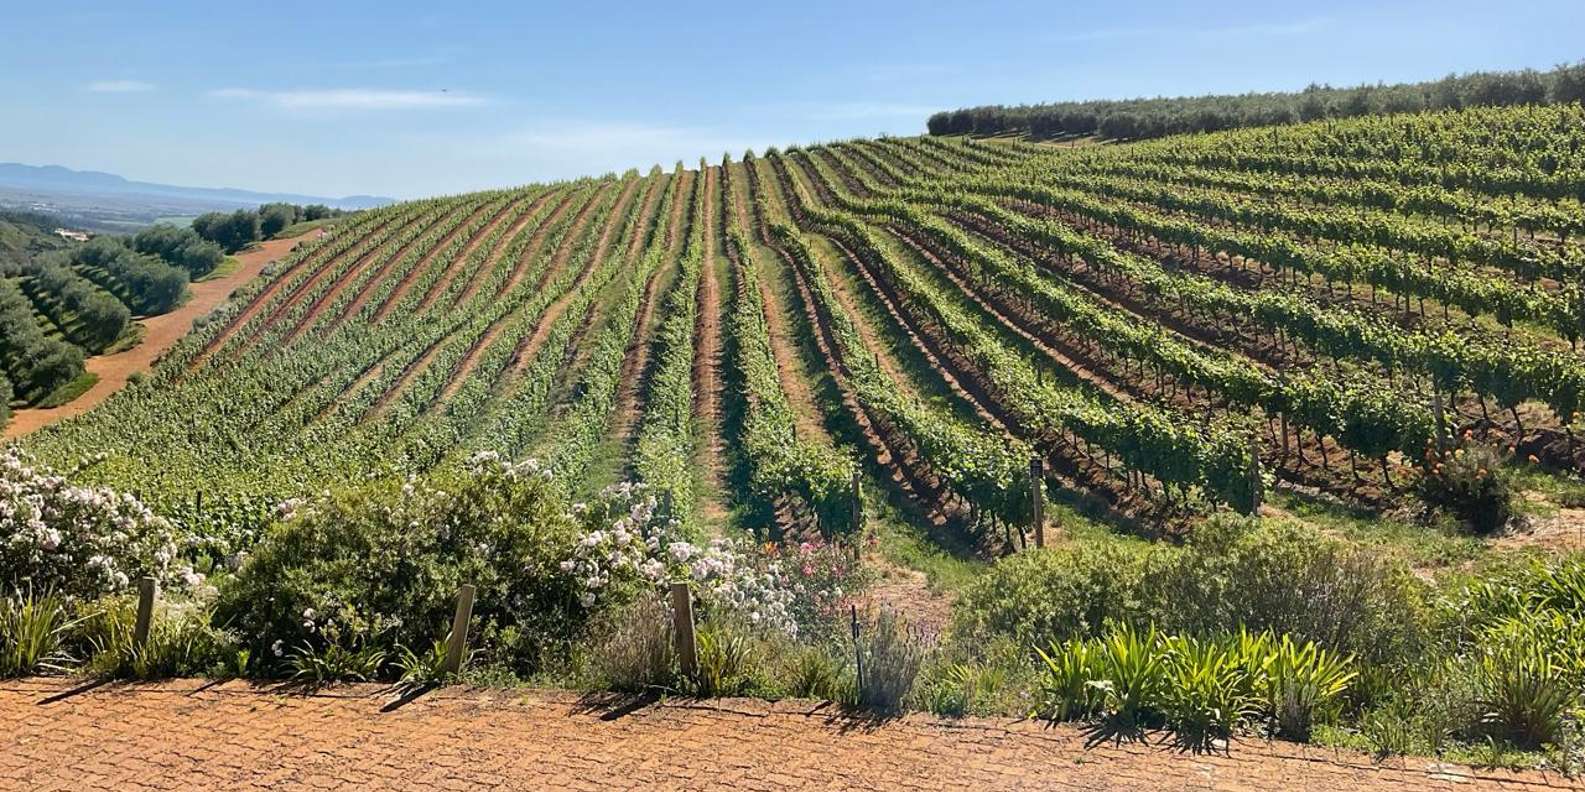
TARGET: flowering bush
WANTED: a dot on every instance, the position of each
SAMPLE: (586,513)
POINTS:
(1471,483)
(633,544)
(378,566)
(79,542)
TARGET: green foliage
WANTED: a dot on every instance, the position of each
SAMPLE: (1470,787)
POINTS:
(425,667)
(180,247)
(729,662)
(814,672)
(182,641)
(1204,689)
(33,634)
(336,662)
(1145,118)
(1282,578)
(375,567)
(232,232)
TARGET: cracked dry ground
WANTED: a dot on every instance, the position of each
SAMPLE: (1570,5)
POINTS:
(55,734)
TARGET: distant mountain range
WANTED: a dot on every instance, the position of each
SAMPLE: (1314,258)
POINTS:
(54,178)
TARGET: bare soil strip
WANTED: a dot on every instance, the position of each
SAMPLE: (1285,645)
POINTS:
(160,334)
(707,359)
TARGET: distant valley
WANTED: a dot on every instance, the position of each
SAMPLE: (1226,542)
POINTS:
(100,201)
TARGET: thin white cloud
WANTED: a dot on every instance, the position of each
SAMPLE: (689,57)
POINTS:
(352,99)
(120,86)
(1254,30)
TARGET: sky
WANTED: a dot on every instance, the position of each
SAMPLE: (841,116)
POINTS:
(411,99)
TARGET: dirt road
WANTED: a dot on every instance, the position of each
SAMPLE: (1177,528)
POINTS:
(160,334)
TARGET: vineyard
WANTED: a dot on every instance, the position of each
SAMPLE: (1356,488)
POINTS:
(1170,328)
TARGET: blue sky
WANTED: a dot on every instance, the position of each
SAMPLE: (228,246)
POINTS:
(417,98)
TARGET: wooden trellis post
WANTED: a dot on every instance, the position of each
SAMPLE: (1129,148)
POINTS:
(682,629)
(148,588)
(856,511)
(1257,484)
(457,644)
(1037,494)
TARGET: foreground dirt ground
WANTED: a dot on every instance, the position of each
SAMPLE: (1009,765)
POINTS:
(160,334)
(65,734)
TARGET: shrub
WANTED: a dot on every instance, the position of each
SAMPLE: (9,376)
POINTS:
(78,542)
(636,651)
(378,566)
(1470,482)
(1304,682)
(962,688)
(1231,575)
(1521,695)
(813,672)
(1207,691)
(1290,580)
(893,654)
(729,662)
(1051,595)
(1202,688)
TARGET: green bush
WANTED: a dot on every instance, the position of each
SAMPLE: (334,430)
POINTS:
(1231,575)
(378,566)
(730,663)
(1051,595)
(814,672)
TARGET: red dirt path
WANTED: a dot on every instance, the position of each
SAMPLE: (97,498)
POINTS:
(161,333)
(188,735)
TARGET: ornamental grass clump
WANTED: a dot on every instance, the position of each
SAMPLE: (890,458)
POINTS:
(1205,689)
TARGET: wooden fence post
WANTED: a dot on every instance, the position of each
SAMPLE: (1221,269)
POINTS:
(148,588)
(682,627)
(457,644)
(1037,495)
